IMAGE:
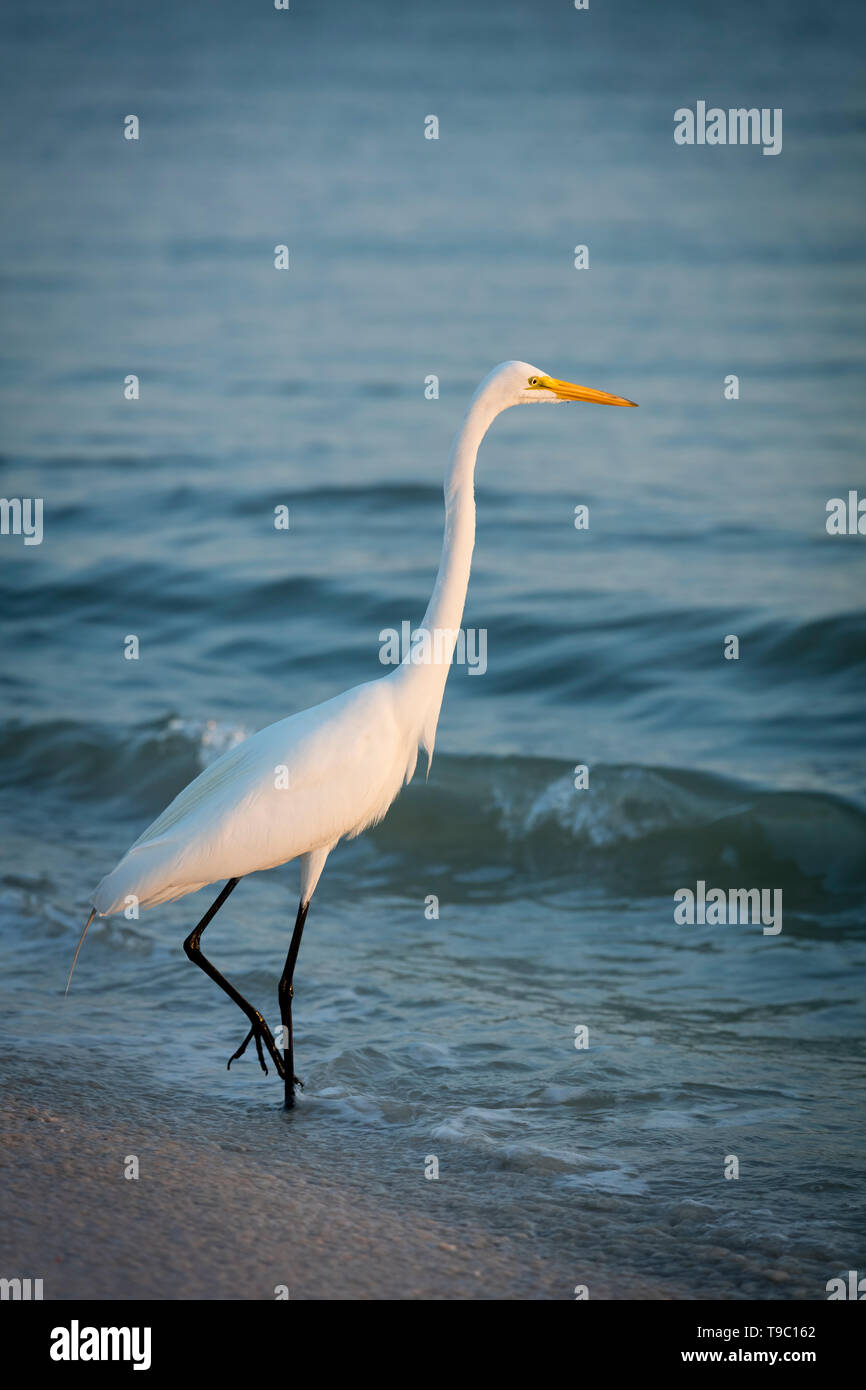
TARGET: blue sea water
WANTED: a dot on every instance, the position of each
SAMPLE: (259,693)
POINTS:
(410,258)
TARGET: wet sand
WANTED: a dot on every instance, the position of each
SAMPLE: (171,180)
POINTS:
(207,1220)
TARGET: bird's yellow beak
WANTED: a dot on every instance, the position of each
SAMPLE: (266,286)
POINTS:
(567,391)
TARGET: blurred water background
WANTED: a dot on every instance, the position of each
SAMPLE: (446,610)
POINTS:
(412,257)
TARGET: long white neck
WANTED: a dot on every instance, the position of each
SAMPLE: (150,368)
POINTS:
(422,681)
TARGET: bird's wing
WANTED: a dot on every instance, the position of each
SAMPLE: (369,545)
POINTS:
(222,778)
(296,786)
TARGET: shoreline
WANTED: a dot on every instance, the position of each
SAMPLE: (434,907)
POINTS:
(205,1220)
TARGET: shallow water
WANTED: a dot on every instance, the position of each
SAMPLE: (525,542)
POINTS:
(455,1037)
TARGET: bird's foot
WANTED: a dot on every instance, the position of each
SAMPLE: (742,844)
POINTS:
(290,1092)
(262,1034)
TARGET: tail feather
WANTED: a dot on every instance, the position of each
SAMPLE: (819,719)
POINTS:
(77,949)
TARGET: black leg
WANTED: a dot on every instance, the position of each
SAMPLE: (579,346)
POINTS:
(286,994)
(258,1029)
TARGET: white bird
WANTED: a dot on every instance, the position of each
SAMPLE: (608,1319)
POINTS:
(297,787)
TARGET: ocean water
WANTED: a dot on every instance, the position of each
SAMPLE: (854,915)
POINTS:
(455,1037)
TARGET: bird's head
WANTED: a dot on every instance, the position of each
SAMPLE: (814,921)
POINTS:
(519,383)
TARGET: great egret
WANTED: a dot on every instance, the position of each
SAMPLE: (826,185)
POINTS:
(296,788)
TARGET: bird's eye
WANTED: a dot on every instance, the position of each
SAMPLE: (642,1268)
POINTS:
(533,381)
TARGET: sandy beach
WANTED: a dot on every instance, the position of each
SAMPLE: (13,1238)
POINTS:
(207,1220)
